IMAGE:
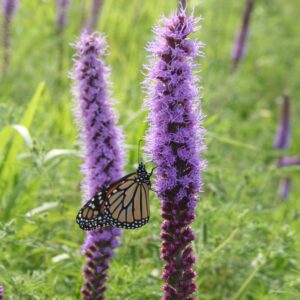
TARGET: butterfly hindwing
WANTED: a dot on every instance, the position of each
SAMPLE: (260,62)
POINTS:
(127,201)
(92,215)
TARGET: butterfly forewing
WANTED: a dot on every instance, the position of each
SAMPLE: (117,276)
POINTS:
(91,216)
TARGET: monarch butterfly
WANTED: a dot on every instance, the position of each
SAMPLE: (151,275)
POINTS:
(123,204)
(91,216)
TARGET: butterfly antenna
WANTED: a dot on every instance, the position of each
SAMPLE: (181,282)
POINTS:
(139,150)
(152,171)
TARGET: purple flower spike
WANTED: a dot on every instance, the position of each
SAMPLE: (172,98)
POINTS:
(283,134)
(103,160)
(92,22)
(287,161)
(62,9)
(9,8)
(282,141)
(285,187)
(175,141)
(1,292)
(240,45)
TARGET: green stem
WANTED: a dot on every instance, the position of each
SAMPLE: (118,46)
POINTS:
(247,282)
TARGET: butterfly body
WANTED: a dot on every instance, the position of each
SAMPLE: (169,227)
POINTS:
(123,204)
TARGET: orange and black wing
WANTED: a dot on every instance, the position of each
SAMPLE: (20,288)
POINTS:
(91,216)
(127,203)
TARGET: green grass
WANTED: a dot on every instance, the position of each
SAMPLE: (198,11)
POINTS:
(248,238)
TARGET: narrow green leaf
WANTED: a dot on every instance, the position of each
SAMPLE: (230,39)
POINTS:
(42,208)
(13,143)
(59,152)
(24,133)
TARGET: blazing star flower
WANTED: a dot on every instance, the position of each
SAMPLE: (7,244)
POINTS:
(285,183)
(175,142)
(285,187)
(240,45)
(1,292)
(62,9)
(283,134)
(282,141)
(103,159)
(288,161)
(9,8)
(91,24)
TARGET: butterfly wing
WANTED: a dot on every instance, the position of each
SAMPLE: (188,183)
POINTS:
(91,216)
(127,202)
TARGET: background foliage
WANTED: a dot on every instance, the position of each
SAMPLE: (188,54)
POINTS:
(248,239)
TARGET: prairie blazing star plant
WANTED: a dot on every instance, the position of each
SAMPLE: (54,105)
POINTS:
(240,44)
(62,7)
(288,161)
(9,8)
(283,133)
(92,22)
(1,292)
(282,141)
(103,159)
(175,141)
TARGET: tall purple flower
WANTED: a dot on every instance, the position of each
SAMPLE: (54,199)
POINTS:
(282,141)
(92,22)
(9,8)
(285,187)
(283,134)
(62,7)
(175,141)
(240,45)
(288,161)
(1,292)
(103,159)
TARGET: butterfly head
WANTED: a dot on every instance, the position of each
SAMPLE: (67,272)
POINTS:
(143,175)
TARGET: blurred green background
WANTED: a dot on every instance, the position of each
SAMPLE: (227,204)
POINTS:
(247,242)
